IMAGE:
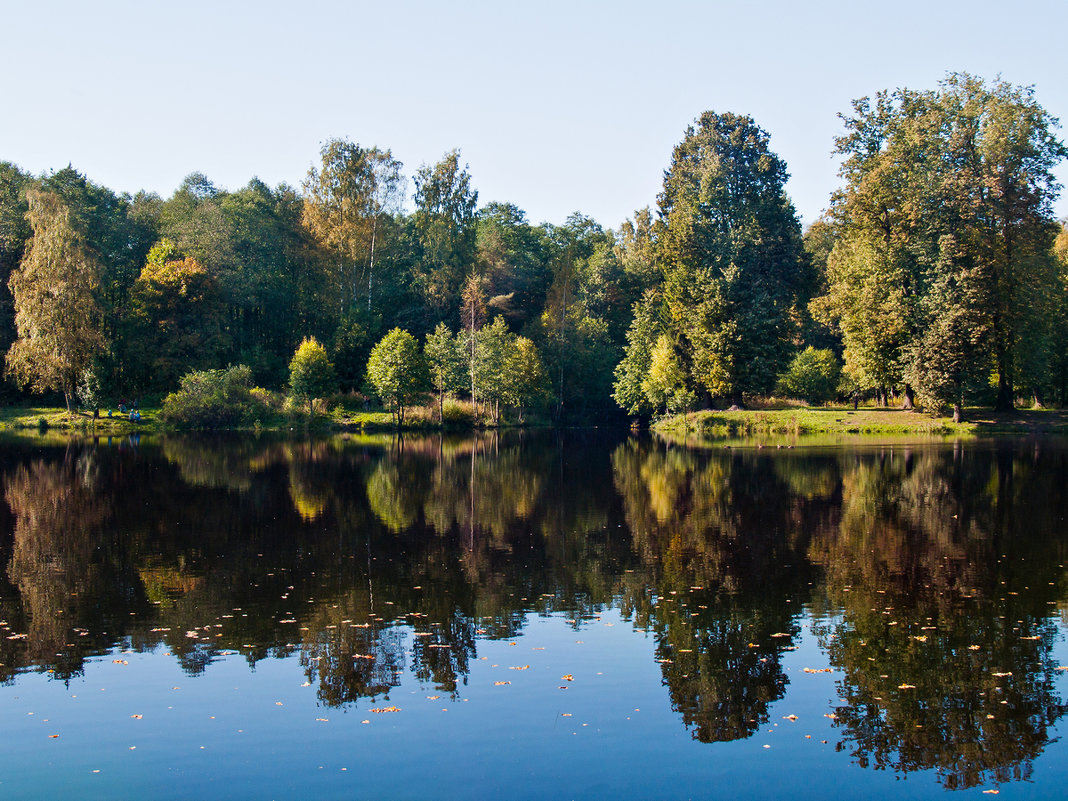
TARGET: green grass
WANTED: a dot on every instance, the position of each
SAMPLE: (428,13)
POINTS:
(807,422)
(25,418)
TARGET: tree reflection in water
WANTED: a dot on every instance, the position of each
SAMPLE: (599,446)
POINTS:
(942,573)
(931,575)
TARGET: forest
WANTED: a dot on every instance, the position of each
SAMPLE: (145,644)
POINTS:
(937,278)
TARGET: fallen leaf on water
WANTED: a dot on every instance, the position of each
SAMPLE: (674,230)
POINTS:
(780,634)
(567,677)
(278,703)
(52,736)
(520,667)
(817,670)
(136,717)
(830,715)
(790,717)
(433,697)
(323,720)
(906,686)
(992,792)
(382,709)
(365,721)
(499,683)
(1036,637)
(565,714)
(1003,675)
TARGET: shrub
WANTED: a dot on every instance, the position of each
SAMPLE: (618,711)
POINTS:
(214,399)
(311,375)
(812,375)
(456,413)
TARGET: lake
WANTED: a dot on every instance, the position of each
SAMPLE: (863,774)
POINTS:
(574,616)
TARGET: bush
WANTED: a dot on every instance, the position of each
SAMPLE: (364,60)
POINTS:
(311,375)
(812,375)
(457,413)
(215,399)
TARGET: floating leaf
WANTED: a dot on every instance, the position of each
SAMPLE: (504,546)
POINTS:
(499,683)
(567,677)
(380,710)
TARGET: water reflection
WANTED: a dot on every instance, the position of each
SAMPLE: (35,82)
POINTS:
(933,576)
(945,568)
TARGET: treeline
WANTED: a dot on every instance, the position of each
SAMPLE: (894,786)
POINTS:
(938,272)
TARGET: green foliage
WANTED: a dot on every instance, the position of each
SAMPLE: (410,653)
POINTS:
(311,375)
(813,375)
(88,389)
(446,363)
(732,256)
(944,231)
(397,371)
(525,381)
(176,320)
(344,208)
(445,227)
(214,399)
(665,383)
(632,371)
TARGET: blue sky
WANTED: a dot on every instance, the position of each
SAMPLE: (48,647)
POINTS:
(556,106)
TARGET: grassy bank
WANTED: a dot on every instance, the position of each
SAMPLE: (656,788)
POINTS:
(340,418)
(50,418)
(797,422)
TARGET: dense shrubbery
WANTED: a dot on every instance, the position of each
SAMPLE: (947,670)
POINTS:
(812,375)
(215,399)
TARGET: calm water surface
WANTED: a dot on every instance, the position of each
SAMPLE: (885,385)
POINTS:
(531,617)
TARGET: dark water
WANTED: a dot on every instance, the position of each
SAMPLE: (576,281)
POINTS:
(531,617)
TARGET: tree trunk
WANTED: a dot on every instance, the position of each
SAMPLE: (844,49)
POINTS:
(958,413)
(909,403)
(371,267)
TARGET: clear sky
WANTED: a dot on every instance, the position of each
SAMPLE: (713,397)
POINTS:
(556,106)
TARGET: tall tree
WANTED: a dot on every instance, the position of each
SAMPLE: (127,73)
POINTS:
(945,224)
(445,223)
(732,255)
(345,203)
(178,320)
(15,233)
(57,314)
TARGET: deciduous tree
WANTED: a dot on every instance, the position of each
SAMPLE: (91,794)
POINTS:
(397,371)
(57,314)
(311,375)
(732,256)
